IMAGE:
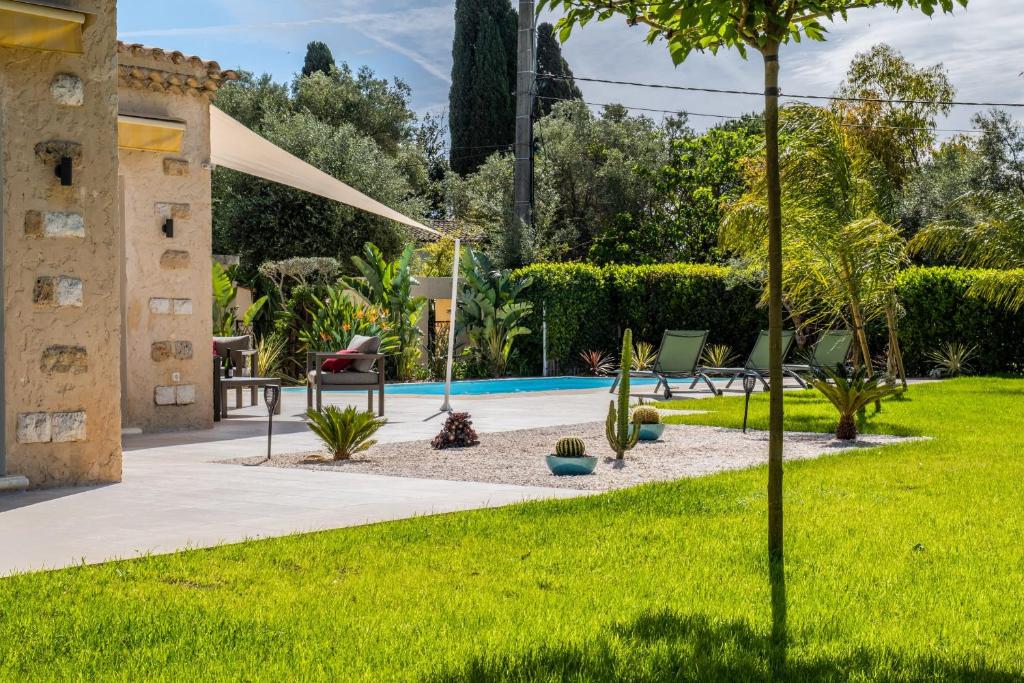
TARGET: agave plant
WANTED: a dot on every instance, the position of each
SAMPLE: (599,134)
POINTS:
(717,356)
(344,432)
(952,359)
(852,394)
(597,362)
(644,356)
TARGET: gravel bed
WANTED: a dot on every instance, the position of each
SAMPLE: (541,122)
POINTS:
(517,457)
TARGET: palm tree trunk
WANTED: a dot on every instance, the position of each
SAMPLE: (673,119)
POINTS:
(894,343)
(775,423)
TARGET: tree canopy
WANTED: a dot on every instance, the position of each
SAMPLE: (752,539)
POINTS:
(318,58)
(550,61)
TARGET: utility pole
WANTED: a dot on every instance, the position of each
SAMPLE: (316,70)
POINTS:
(525,78)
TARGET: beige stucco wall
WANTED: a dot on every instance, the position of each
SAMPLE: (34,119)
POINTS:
(168,386)
(60,269)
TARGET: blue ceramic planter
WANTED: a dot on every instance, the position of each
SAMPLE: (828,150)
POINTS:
(650,432)
(571,466)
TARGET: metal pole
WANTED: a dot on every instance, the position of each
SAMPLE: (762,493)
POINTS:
(525,78)
(446,406)
(544,336)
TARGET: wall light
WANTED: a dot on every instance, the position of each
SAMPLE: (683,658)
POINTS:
(168,227)
(64,171)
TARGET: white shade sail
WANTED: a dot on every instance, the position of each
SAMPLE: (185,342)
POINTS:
(234,146)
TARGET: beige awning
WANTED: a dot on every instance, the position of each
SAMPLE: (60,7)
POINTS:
(234,146)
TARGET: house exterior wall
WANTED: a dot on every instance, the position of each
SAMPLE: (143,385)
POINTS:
(167,295)
(60,259)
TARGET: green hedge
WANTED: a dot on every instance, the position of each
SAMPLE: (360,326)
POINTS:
(588,307)
(939,308)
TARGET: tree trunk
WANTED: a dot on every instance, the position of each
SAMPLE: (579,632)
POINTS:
(847,429)
(894,343)
(775,379)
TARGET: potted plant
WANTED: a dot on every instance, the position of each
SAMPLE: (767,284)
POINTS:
(649,420)
(570,457)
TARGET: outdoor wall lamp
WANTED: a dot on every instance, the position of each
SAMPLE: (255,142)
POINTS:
(168,227)
(64,171)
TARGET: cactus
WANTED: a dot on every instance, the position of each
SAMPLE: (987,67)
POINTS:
(570,447)
(617,425)
(646,415)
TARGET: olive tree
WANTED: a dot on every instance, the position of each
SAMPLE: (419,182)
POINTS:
(762,26)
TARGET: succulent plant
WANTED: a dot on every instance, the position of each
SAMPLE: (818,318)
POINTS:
(646,415)
(570,447)
(616,428)
(457,433)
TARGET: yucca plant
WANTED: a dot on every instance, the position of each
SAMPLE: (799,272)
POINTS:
(597,362)
(852,394)
(644,356)
(952,359)
(344,432)
(717,356)
(270,354)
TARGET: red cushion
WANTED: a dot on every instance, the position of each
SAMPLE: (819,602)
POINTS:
(338,364)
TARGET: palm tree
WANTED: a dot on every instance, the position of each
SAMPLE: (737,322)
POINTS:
(850,395)
(840,258)
(994,239)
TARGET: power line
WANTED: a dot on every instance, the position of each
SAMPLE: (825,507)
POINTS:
(833,98)
(727,116)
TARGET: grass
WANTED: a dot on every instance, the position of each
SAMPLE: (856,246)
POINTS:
(903,563)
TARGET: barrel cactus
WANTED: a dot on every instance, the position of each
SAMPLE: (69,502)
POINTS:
(646,415)
(570,447)
(620,437)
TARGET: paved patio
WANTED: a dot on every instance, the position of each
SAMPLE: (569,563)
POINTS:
(174,496)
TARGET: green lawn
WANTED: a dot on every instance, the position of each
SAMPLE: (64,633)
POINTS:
(903,563)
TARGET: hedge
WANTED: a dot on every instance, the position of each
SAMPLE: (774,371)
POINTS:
(939,308)
(588,307)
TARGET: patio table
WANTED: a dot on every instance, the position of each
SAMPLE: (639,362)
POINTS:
(239,383)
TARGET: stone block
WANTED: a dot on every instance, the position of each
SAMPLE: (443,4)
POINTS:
(50,152)
(173,259)
(60,291)
(67,90)
(161,351)
(183,307)
(64,360)
(172,210)
(183,350)
(33,428)
(164,396)
(176,167)
(68,427)
(160,306)
(54,224)
(185,394)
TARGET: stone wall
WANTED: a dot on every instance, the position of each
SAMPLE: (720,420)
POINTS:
(168,383)
(61,258)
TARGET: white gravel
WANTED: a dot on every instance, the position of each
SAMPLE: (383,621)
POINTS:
(518,457)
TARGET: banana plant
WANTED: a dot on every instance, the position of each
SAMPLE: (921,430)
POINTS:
(225,311)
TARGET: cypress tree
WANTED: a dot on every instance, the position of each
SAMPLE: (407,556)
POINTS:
(318,58)
(550,61)
(482,96)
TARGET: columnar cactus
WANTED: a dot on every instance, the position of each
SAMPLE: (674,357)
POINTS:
(617,425)
(570,447)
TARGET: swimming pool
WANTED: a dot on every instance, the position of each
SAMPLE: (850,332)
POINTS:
(512,385)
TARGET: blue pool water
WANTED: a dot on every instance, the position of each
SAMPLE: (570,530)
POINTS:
(514,385)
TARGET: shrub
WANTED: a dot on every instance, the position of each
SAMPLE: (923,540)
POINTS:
(344,432)
(457,433)
(952,359)
(570,447)
(646,415)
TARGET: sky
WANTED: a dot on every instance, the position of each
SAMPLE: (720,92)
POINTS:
(982,47)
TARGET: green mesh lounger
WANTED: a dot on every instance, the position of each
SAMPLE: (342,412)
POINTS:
(832,350)
(757,361)
(678,358)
